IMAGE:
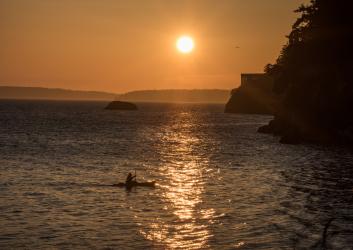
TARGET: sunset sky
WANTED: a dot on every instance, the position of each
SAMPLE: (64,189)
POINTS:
(118,46)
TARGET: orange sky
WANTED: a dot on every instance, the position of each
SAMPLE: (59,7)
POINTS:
(117,46)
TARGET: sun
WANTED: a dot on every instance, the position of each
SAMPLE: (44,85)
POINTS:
(185,44)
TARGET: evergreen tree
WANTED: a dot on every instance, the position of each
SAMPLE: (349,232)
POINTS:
(314,71)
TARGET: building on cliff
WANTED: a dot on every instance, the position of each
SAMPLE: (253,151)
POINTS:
(257,80)
(254,96)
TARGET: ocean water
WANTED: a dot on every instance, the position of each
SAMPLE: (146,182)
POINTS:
(220,185)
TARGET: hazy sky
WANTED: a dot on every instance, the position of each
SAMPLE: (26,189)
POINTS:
(116,45)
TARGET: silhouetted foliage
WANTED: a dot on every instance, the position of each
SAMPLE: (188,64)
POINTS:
(314,73)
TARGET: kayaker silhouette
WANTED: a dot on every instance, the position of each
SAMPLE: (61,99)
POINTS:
(130,178)
(131,181)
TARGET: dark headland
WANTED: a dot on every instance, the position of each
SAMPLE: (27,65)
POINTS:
(313,77)
(118,105)
(254,96)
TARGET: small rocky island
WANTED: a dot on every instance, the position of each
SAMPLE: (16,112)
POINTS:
(119,105)
(254,96)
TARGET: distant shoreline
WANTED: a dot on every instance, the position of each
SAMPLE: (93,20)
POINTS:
(104,101)
(212,96)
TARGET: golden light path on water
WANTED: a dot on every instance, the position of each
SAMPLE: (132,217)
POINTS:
(220,185)
(184,176)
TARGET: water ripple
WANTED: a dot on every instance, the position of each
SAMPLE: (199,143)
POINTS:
(220,185)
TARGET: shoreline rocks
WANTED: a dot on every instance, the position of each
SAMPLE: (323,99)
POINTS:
(310,134)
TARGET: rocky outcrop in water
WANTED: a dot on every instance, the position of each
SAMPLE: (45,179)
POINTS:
(118,105)
(254,96)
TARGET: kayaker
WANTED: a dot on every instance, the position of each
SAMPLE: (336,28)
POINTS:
(130,178)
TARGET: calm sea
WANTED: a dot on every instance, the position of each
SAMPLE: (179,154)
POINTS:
(220,185)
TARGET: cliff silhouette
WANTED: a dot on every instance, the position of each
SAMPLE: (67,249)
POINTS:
(254,96)
(313,76)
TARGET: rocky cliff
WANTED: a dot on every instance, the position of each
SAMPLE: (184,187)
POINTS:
(254,96)
(313,74)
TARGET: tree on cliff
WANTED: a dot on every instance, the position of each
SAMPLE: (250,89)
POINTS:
(314,73)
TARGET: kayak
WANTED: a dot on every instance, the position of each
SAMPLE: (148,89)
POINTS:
(136,184)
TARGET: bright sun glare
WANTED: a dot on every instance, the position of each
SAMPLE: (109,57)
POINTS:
(185,44)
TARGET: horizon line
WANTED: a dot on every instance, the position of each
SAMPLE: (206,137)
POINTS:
(115,93)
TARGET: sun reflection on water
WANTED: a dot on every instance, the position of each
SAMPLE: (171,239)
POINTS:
(184,175)
(184,190)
